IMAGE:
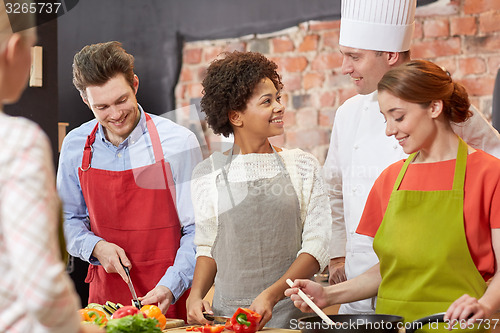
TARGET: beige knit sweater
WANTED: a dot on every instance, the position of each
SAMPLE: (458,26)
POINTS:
(305,175)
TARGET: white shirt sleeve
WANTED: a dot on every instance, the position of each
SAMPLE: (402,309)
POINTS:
(479,133)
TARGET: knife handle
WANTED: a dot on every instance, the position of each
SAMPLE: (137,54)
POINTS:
(208,316)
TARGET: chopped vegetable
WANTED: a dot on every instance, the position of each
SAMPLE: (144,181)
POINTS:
(93,316)
(133,324)
(245,321)
(152,311)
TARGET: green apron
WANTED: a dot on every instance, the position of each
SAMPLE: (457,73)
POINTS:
(425,261)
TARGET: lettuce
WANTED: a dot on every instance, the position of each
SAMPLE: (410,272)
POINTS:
(133,324)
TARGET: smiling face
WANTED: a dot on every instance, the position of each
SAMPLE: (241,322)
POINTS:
(366,67)
(413,125)
(263,116)
(115,107)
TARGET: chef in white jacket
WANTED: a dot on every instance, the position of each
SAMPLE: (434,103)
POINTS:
(374,37)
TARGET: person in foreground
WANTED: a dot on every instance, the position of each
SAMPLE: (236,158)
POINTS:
(124,180)
(262,213)
(435,217)
(37,294)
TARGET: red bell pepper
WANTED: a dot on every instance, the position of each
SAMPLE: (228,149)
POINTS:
(245,321)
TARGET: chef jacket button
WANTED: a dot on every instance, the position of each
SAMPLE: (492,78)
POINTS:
(119,154)
(356,147)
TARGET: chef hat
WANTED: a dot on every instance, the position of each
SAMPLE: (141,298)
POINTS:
(379,25)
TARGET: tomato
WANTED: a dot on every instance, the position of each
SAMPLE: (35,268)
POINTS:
(152,311)
(93,316)
(127,310)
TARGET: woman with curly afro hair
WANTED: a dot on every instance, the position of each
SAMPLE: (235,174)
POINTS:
(262,213)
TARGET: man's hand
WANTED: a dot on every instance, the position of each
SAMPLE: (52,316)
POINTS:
(111,257)
(337,270)
(160,295)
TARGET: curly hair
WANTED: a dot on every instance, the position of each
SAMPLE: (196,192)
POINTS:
(229,84)
(95,64)
(421,82)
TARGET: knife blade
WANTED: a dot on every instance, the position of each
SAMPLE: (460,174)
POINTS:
(135,300)
(211,317)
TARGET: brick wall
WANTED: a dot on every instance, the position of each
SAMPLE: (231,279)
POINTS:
(464,38)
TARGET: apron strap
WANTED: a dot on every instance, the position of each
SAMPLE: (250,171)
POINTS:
(87,150)
(459,177)
(403,171)
(155,138)
(280,162)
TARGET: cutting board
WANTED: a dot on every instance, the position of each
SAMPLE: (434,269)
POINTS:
(266,330)
(173,323)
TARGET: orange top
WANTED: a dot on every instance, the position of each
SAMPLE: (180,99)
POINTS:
(481,191)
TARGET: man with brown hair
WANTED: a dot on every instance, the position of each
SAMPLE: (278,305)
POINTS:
(124,179)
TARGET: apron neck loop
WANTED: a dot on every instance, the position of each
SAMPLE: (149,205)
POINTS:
(278,158)
(460,164)
(153,134)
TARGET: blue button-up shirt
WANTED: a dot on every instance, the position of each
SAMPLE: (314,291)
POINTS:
(181,150)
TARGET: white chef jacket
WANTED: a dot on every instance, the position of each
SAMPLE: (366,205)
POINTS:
(359,151)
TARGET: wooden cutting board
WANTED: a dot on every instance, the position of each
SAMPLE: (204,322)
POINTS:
(173,323)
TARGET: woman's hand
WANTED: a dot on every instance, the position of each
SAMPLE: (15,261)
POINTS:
(464,311)
(314,290)
(195,308)
(263,304)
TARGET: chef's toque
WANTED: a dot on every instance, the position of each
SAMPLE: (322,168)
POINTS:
(379,25)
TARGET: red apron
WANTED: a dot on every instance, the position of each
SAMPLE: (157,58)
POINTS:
(134,209)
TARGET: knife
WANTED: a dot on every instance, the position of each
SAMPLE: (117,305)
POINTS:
(135,300)
(211,317)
